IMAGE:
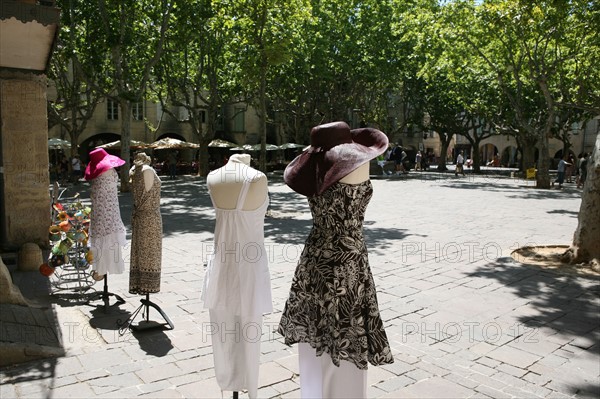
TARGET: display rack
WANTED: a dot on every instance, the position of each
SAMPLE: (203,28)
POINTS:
(69,250)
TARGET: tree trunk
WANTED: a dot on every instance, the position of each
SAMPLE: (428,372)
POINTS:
(125,140)
(528,152)
(542,175)
(586,240)
(445,140)
(263,117)
(476,157)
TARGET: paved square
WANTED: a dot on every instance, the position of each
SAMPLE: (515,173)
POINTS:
(463,318)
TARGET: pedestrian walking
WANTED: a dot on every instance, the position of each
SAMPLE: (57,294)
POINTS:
(418,160)
(460,161)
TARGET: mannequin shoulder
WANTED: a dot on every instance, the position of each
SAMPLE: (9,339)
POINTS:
(358,175)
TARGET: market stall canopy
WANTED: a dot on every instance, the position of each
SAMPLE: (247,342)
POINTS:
(58,144)
(169,143)
(288,146)
(134,144)
(218,143)
(255,147)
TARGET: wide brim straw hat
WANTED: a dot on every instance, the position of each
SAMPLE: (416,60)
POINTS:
(100,162)
(141,159)
(334,152)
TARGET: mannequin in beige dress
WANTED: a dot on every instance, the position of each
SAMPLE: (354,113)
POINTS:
(146,254)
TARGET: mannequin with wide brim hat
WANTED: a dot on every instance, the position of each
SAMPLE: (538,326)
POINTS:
(332,311)
(107,235)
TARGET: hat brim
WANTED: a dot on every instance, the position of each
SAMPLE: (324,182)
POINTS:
(108,162)
(314,171)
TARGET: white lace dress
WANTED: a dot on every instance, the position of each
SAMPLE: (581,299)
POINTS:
(107,233)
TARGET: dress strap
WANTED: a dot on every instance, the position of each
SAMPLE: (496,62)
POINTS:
(242,197)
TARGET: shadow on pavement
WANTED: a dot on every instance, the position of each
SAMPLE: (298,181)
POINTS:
(567,304)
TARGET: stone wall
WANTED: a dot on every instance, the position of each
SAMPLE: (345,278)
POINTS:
(25,201)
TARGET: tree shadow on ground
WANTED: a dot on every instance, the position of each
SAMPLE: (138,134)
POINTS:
(566,303)
(565,212)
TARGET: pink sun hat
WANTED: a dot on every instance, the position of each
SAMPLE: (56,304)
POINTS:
(100,162)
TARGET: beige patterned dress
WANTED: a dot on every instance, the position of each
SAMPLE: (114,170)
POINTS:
(146,238)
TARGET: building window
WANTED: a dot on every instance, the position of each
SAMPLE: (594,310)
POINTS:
(238,119)
(137,111)
(202,116)
(112,110)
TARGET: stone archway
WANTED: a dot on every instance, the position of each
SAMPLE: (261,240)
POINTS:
(94,141)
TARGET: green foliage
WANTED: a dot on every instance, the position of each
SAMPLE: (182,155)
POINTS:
(514,64)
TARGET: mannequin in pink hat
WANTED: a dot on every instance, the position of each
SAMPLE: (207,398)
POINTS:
(107,231)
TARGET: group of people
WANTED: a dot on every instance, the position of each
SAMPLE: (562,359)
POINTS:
(68,170)
(567,166)
(397,154)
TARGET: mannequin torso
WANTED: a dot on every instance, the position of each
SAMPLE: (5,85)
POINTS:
(226,183)
(357,176)
(148,174)
(148,177)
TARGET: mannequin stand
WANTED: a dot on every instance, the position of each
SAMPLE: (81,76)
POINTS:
(146,324)
(105,295)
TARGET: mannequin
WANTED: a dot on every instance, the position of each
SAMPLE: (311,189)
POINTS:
(332,311)
(225,184)
(146,242)
(357,176)
(107,232)
(237,287)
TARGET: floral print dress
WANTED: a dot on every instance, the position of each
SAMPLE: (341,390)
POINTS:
(333,302)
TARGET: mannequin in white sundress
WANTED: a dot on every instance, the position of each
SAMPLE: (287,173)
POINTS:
(237,287)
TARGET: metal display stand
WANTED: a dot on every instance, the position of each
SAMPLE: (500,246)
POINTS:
(73,277)
(105,295)
(146,324)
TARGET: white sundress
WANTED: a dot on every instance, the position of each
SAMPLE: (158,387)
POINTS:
(237,292)
(107,233)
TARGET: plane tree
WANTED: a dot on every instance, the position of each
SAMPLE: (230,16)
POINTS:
(130,34)
(195,79)
(76,73)
(529,46)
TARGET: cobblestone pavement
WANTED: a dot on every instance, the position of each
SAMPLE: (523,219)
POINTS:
(464,319)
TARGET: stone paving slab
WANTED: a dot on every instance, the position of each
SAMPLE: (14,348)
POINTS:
(463,318)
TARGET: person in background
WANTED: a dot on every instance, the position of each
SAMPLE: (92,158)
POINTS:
(583,162)
(76,168)
(418,159)
(172,161)
(460,160)
(570,168)
(562,167)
